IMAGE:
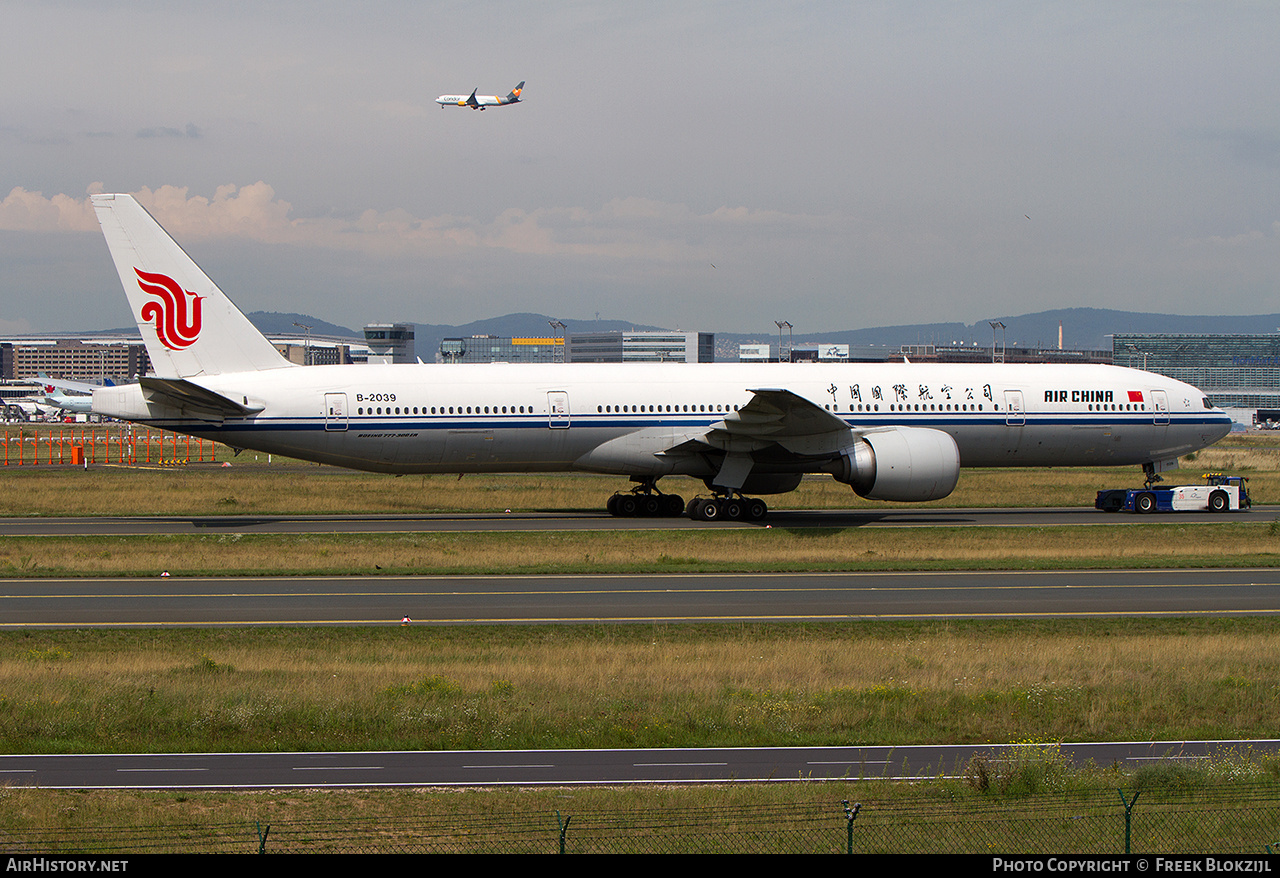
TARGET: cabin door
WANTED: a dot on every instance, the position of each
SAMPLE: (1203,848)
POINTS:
(558,409)
(1015,415)
(1160,400)
(335,411)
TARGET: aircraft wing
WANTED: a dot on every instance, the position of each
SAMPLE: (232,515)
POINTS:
(193,400)
(777,422)
(780,417)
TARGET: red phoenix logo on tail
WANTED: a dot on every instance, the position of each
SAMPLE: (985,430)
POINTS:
(177,321)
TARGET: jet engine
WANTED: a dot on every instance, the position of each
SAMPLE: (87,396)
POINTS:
(907,464)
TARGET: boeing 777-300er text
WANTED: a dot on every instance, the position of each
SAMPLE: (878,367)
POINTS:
(479,102)
(892,431)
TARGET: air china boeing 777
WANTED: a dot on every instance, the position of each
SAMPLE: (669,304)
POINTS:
(480,102)
(892,431)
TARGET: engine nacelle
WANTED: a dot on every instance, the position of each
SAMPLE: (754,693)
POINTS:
(910,464)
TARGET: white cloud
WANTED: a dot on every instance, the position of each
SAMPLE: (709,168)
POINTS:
(625,228)
(24,211)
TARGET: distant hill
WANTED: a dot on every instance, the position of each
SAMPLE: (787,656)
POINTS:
(267,322)
(1082,329)
(277,323)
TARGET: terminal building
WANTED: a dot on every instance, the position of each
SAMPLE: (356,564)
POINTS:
(498,349)
(320,350)
(584,347)
(1240,373)
(124,358)
(74,359)
(922,353)
(635,346)
(810,353)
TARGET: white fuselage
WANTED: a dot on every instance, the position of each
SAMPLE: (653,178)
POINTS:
(524,418)
(465,101)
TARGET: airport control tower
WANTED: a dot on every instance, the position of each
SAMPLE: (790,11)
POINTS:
(390,342)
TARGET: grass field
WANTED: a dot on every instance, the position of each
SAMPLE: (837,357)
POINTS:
(1236,543)
(637,685)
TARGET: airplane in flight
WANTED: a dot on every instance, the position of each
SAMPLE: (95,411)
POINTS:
(480,102)
(891,431)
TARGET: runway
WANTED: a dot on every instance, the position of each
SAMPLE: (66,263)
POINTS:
(536,522)
(638,598)
(461,768)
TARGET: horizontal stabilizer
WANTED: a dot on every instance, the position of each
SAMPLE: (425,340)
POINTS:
(193,400)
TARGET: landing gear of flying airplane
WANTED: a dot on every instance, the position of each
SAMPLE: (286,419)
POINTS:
(733,507)
(645,501)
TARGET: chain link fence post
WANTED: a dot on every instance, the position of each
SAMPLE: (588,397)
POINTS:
(850,814)
(564,828)
(1128,817)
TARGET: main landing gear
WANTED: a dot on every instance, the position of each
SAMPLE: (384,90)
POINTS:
(733,507)
(645,501)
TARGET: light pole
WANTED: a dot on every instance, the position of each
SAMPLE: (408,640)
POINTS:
(782,324)
(558,350)
(1144,355)
(306,347)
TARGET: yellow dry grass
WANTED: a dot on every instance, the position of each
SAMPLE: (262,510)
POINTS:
(643,663)
(640,685)
(870,548)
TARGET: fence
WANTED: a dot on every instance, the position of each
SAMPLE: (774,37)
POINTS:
(120,445)
(1242,821)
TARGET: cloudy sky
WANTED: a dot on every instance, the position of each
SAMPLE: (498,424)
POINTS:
(705,165)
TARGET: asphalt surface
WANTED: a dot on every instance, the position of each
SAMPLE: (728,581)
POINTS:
(533,522)
(379,600)
(457,768)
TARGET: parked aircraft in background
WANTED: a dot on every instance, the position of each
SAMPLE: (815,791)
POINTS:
(480,102)
(79,401)
(892,431)
(76,405)
(30,407)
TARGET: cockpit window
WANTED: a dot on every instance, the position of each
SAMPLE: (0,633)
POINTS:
(1206,402)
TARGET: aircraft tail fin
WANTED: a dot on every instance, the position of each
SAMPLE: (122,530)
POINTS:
(515,93)
(189,326)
